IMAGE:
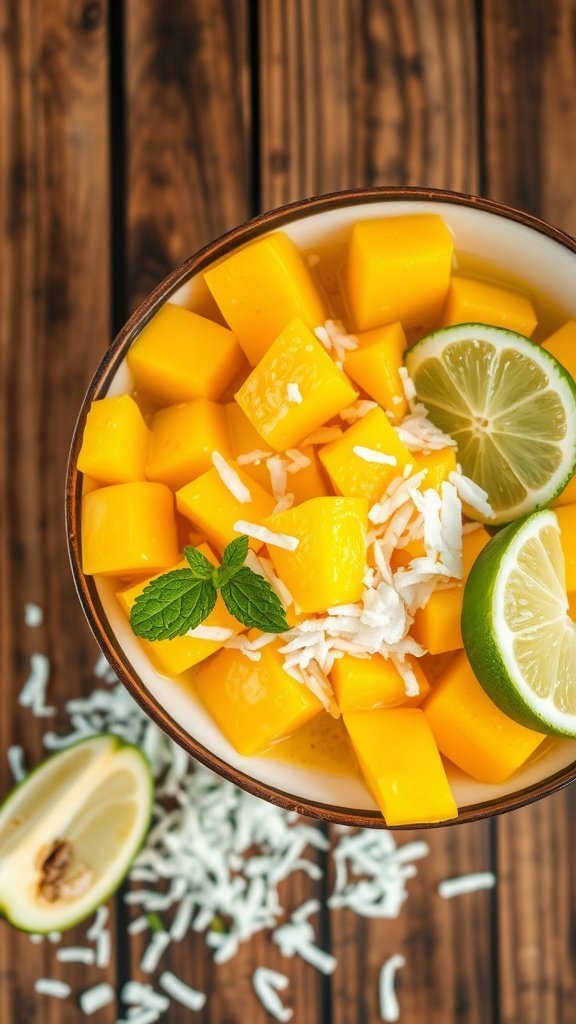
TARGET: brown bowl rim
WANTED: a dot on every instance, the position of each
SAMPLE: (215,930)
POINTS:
(86,588)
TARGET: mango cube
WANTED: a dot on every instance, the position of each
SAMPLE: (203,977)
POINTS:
(470,301)
(115,441)
(253,703)
(180,355)
(244,439)
(361,684)
(374,367)
(128,529)
(398,268)
(328,565)
(567,523)
(354,473)
(310,481)
(296,357)
(562,345)
(261,288)
(438,465)
(183,439)
(401,765)
(471,731)
(213,509)
(171,657)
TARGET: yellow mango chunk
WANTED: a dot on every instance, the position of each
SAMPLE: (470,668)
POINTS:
(471,731)
(213,509)
(401,765)
(253,703)
(361,684)
(115,441)
(309,482)
(171,657)
(261,288)
(567,522)
(183,439)
(328,565)
(350,473)
(374,366)
(562,345)
(128,529)
(572,606)
(322,745)
(398,268)
(180,355)
(297,358)
(470,301)
(438,465)
(244,438)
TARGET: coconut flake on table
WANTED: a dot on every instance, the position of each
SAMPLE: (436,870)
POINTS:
(270,537)
(189,997)
(267,984)
(52,987)
(293,393)
(389,1008)
(297,938)
(96,998)
(15,757)
(230,479)
(473,882)
(33,692)
(33,615)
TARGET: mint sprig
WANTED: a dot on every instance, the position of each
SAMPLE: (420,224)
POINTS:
(178,601)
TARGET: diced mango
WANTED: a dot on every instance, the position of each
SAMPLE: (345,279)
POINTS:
(471,731)
(438,465)
(350,473)
(115,441)
(310,481)
(295,357)
(322,745)
(172,657)
(253,703)
(180,355)
(398,268)
(261,288)
(401,765)
(361,684)
(470,301)
(183,439)
(374,366)
(328,565)
(128,529)
(562,345)
(567,522)
(213,509)
(245,439)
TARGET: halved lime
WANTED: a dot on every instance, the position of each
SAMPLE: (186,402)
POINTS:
(69,832)
(517,633)
(509,405)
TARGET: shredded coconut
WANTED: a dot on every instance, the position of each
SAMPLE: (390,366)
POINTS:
(51,987)
(230,479)
(389,1008)
(335,339)
(466,883)
(33,693)
(15,756)
(267,984)
(75,955)
(183,994)
(96,998)
(277,468)
(33,615)
(217,633)
(407,384)
(472,494)
(372,455)
(278,540)
(293,393)
(356,411)
(256,456)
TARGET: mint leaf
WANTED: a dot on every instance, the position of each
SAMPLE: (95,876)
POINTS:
(235,553)
(250,598)
(171,605)
(201,567)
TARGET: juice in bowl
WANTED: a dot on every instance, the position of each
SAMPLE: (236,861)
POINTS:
(320,508)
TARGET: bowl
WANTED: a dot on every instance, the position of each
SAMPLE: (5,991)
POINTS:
(541,255)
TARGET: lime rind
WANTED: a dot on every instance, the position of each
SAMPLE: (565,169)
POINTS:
(490,642)
(536,431)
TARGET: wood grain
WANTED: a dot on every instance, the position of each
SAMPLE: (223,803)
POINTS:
(530,83)
(54,324)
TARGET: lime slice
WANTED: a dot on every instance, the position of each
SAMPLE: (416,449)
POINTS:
(517,633)
(509,405)
(69,832)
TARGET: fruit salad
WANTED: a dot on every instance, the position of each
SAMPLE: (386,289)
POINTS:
(351,513)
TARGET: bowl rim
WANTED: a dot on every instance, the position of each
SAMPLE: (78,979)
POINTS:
(86,588)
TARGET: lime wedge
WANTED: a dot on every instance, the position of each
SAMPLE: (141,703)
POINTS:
(517,633)
(69,832)
(509,405)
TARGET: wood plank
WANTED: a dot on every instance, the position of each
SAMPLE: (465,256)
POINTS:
(363,94)
(530,78)
(54,324)
(356,93)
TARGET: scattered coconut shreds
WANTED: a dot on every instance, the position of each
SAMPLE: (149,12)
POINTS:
(33,693)
(355,412)
(217,633)
(15,757)
(466,883)
(371,872)
(230,479)
(293,393)
(297,460)
(253,457)
(51,987)
(96,998)
(372,455)
(296,938)
(335,339)
(278,540)
(100,921)
(389,1008)
(407,384)
(267,984)
(183,994)
(277,468)
(75,955)
(284,503)
(33,615)
(159,942)
(471,494)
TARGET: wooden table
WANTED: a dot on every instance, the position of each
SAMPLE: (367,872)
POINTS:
(130,134)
